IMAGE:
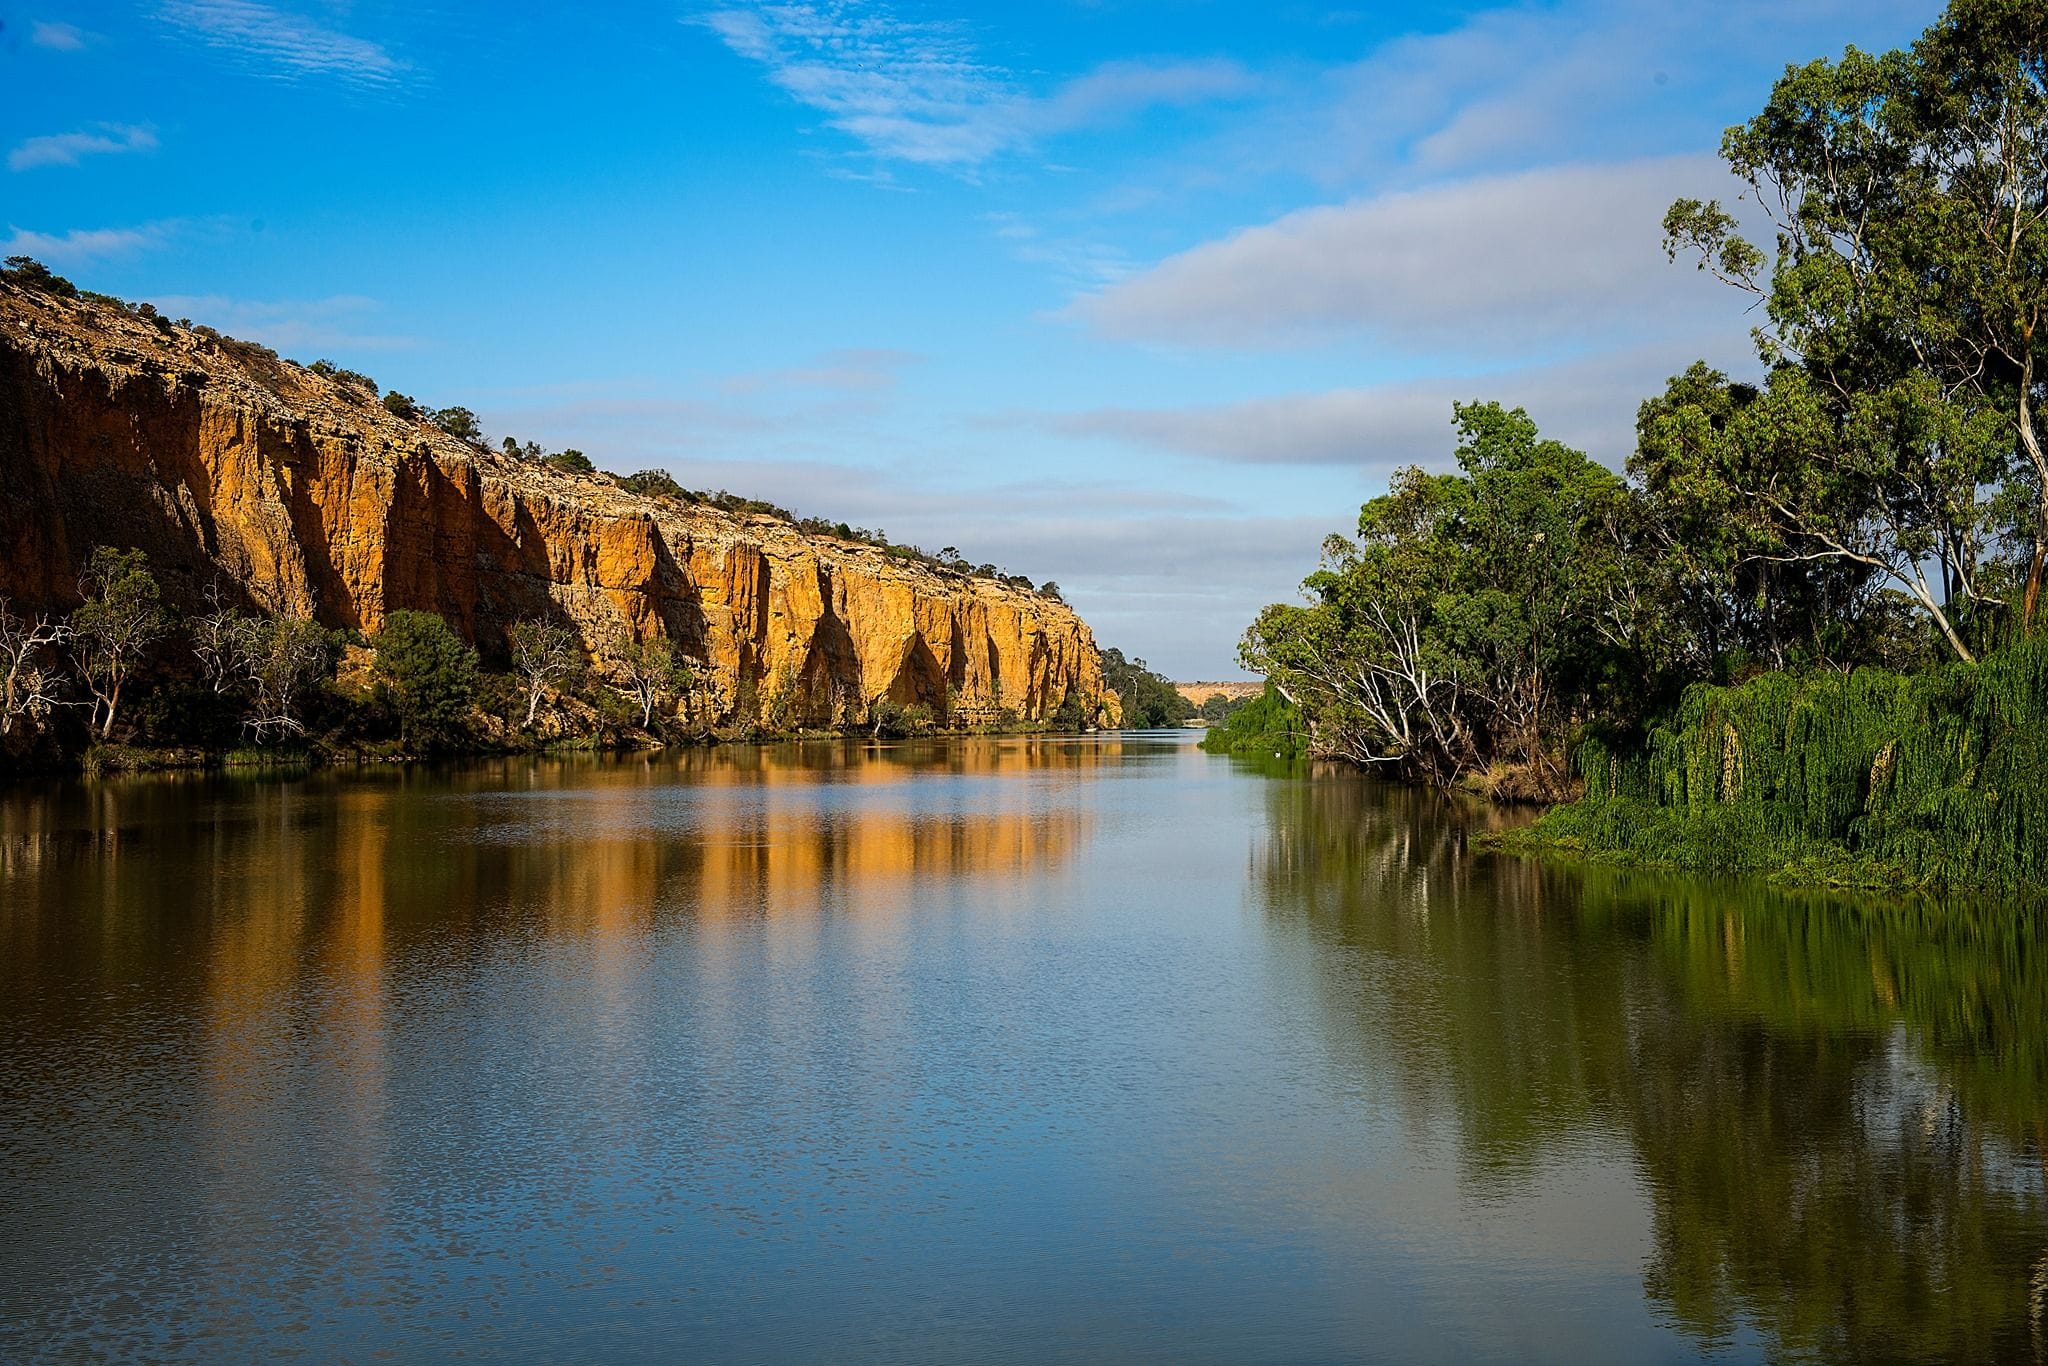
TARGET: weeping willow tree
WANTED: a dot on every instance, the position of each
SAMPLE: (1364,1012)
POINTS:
(1934,778)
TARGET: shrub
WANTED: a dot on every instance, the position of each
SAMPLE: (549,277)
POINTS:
(30,273)
(430,674)
(655,484)
(459,423)
(1267,724)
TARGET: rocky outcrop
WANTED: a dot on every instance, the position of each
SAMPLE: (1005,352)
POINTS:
(300,493)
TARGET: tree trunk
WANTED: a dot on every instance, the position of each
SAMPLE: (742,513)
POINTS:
(2034,581)
(2030,442)
(532,703)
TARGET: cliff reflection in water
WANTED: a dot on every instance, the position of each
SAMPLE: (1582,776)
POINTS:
(267,865)
(273,990)
(1840,1111)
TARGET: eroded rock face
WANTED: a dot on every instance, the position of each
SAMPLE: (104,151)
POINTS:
(297,493)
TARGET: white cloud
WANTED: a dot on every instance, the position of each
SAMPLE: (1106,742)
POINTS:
(917,91)
(1589,404)
(292,325)
(1486,265)
(289,43)
(1608,78)
(66,149)
(58,37)
(82,244)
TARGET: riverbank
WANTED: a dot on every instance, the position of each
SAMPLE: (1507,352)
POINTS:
(1936,779)
(113,758)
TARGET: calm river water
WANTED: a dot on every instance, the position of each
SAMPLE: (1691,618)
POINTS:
(1017,1050)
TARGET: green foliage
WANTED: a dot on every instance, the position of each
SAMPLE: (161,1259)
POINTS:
(353,379)
(654,484)
(1149,700)
(1937,778)
(121,618)
(1472,623)
(459,423)
(430,675)
(1268,724)
(891,720)
(572,460)
(401,405)
(1906,301)
(30,273)
(1071,715)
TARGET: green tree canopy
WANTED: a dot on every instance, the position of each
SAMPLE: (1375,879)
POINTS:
(1906,299)
(1475,619)
(430,674)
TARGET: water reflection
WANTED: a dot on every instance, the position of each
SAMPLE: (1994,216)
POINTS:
(996,1050)
(252,1027)
(1840,1110)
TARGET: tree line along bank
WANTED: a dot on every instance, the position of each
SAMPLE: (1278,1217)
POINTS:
(1799,632)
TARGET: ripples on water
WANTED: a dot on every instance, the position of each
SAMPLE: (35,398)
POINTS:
(1014,1050)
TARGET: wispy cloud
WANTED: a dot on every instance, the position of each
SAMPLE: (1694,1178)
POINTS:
(1488,265)
(56,36)
(339,322)
(1078,263)
(861,369)
(83,244)
(287,44)
(1589,403)
(918,91)
(67,149)
(1512,82)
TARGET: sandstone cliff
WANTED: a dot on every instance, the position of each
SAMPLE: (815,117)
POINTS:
(303,494)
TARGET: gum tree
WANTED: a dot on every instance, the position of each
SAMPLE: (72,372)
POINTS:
(1908,287)
(122,616)
(31,683)
(547,655)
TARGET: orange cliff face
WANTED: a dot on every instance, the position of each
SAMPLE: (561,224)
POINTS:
(300,493)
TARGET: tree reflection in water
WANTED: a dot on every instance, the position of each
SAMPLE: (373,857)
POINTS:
(1839,1108)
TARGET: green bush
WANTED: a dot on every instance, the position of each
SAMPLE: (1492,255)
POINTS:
(431,676)
(1937,778)
(1266,725)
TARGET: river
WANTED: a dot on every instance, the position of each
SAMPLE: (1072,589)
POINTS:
(983,1049)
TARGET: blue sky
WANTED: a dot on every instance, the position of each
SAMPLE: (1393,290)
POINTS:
(1141,297)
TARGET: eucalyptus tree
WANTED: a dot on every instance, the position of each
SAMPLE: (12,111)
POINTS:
(547,655)
(280,658)
(651,672)
(1470,624)
(31,681)
(1906,299)
(122,616)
